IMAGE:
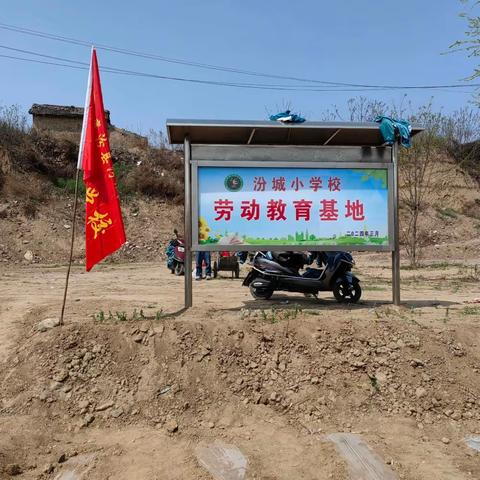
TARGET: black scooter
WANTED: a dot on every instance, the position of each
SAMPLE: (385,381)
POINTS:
(280,271)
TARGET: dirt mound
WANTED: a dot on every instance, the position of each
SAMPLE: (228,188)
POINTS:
(273,378)
(169,373)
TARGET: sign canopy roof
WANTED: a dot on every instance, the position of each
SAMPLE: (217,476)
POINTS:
(234,132)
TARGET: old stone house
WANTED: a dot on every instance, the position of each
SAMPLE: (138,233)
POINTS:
(66,122)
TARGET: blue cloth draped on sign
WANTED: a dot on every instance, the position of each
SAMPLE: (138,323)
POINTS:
(391,127)
(287,117)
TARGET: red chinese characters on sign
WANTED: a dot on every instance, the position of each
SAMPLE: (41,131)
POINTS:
(328,210)
(297,184)
(250,210)
(259,184)
(276,210)
(354,210)
(223,209)
(302,209)
(278,184)
(334,184)
(315,183)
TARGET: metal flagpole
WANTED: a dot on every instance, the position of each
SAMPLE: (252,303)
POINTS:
(77,179)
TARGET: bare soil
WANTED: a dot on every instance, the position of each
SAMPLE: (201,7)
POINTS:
(137,381)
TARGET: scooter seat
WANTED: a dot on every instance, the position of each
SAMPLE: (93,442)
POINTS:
(313,273)
(273,268)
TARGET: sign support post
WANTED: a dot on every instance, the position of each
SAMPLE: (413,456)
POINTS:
(188,224)
(396,231)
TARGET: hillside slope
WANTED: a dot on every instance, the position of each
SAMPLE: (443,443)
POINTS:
(36,199)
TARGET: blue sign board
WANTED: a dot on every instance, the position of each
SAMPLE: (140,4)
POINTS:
(271,206)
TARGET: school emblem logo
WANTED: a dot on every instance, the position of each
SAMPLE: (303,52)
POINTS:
(233,182)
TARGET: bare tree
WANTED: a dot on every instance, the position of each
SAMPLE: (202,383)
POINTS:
(283,106)
(462,131)
(359,109)
(13,125)
(416,167)
(157,139)
(362,109)
(462,126)
(419,166)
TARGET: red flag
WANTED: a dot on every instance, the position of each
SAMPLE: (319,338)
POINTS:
(104,231)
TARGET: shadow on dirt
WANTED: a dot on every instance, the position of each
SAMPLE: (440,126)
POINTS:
(310,303)
(175,314)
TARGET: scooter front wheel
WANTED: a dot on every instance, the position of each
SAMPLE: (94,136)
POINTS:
(346,292)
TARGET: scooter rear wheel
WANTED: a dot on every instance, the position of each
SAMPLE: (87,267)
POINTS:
(345,292)
(179,269)
(260,294)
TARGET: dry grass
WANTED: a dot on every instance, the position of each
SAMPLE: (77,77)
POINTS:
(13,126)
(159,175)
(151,172)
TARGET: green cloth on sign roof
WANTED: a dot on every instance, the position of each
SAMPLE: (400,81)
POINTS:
(392,129)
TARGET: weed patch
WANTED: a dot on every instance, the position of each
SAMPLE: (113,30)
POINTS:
(469,310)
(374,288)
(447,213)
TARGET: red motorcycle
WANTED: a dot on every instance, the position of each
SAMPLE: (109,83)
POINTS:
(175,252)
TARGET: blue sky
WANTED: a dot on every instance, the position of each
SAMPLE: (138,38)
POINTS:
(352,41)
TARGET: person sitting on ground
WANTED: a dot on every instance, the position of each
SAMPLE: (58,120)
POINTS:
(201,257)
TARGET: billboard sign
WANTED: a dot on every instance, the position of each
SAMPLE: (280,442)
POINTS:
(264,207)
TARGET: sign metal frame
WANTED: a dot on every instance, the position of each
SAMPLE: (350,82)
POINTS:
(317,155)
